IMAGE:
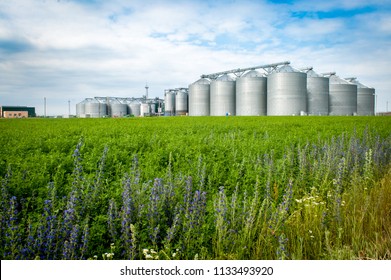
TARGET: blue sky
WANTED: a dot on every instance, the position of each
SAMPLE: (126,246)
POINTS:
(69,50)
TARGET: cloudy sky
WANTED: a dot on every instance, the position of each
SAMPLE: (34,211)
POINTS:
(72,49)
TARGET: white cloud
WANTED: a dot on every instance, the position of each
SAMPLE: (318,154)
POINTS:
(72,51)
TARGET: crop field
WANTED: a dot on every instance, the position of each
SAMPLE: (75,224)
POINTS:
(196,188)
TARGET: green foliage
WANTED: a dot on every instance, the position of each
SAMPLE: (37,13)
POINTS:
(196,188)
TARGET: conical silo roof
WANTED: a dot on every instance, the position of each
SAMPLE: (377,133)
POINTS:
(253,74)
(286,69)
(336,80)
(312,74)
(202,81)
(225,78)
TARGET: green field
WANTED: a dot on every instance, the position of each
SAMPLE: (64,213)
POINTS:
(196,188)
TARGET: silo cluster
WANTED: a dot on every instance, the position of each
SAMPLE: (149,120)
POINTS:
(115,107)
(281,91)
(176,102)
(269,90)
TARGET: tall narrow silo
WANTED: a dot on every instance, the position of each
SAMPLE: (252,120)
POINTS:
(222,96)
(251,91)
(199,98)
(342,98)
(145,110)
(181,102)
(317,94)
(134,109)
(118,109)
(153,106)
(169,103)
(81,109)
(286,92)
(365,99)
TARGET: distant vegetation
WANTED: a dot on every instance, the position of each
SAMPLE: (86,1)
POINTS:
(196,188)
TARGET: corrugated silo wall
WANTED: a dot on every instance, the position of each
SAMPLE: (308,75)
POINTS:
(343,100)
(222,98)
(318,89)
(251,93)
(286,93)
(199,99)
(365,102)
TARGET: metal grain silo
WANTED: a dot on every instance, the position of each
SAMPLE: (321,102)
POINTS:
(342,97)
(251,91)
(95,109)
(153,108)
(81,109)
(286,92)
(181,102)
(145,110)
(199,98)
(222,96)
(117,109)
(169,103)
(134,109)
(365,98)
(317,94)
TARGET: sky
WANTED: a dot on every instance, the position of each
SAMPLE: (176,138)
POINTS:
(69,50)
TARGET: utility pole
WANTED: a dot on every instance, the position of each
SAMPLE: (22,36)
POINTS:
(44,107)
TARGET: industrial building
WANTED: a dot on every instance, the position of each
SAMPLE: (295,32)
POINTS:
(276,89)
(17,112)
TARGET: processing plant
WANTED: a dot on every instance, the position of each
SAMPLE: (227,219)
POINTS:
(276,89)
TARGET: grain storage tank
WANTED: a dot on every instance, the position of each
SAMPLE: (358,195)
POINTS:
(181,102)
(145,110)
(251,91)
(117,109)
(342,97)
(199,98)
(286,92)
(81,109)
(95,109)
(317,94)
(222,96)
(153,108)
(169,101)
(365,98)
(134,109)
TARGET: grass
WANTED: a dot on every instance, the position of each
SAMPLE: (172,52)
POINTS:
(196,188)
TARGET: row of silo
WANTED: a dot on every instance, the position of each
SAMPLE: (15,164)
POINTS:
(285,91)
(176,102)
(96,108)
(281,93)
